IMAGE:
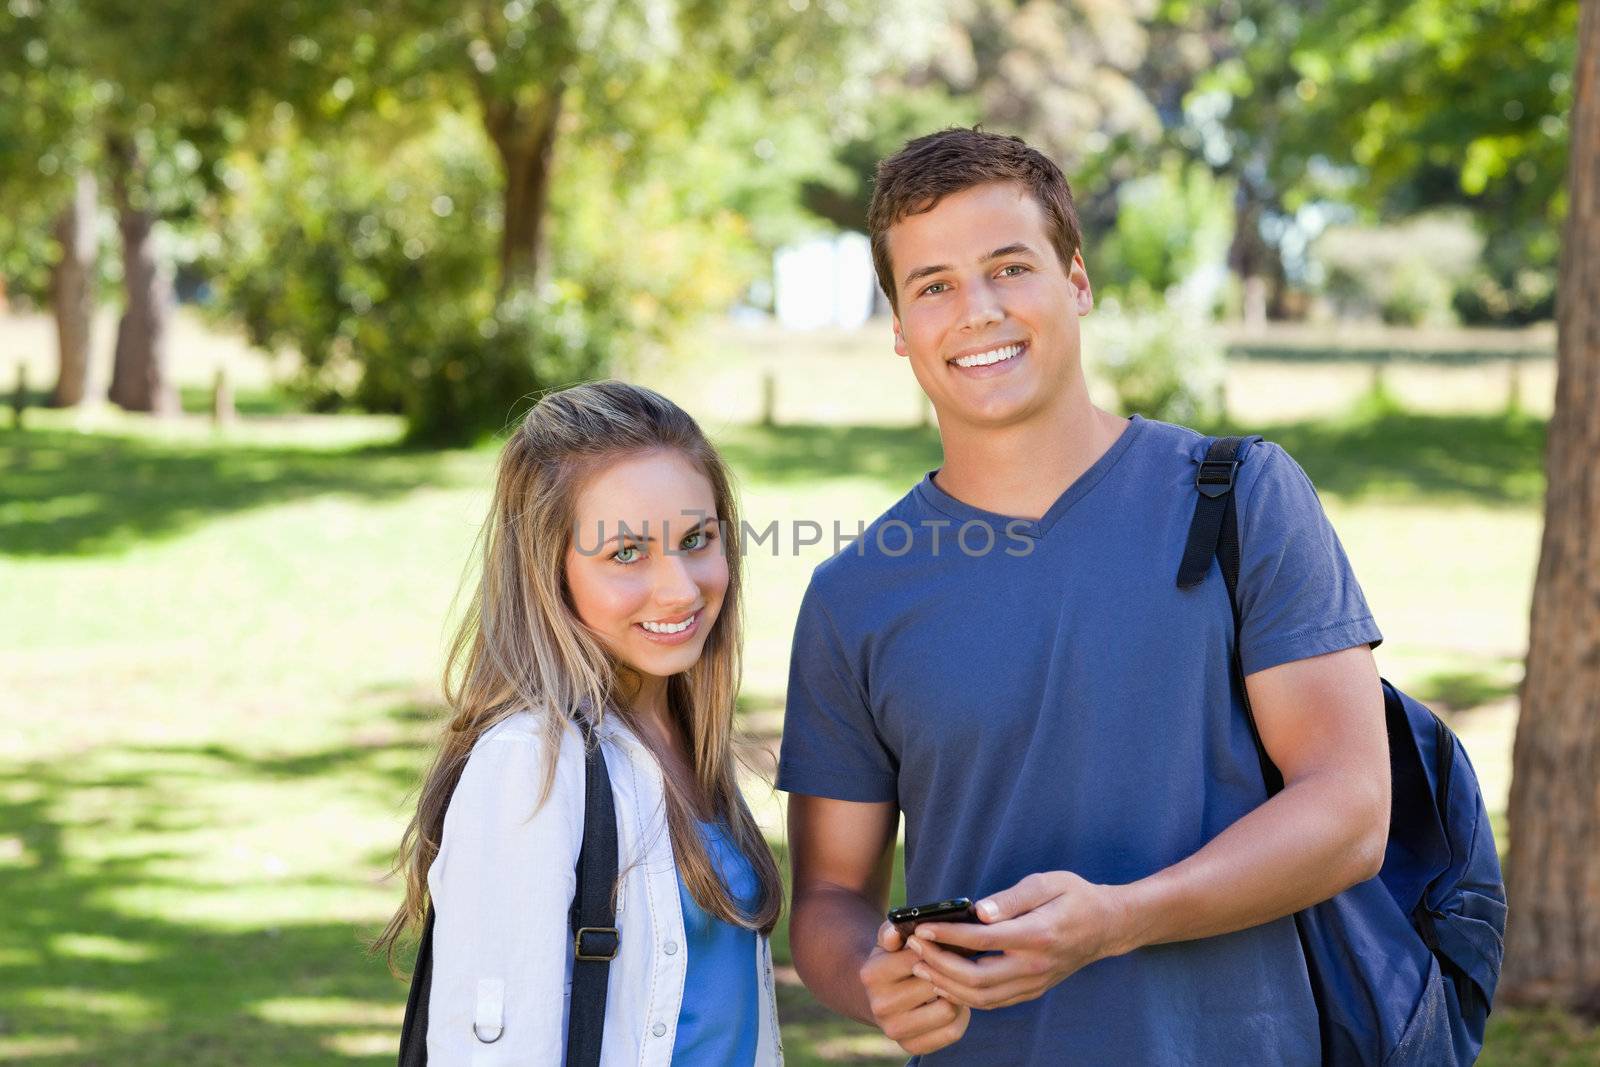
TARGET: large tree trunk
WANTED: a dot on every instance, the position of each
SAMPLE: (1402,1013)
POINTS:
(1553,874)
(525,137)
(72,291)
(139,377)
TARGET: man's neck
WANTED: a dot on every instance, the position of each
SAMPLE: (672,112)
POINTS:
(1021,470)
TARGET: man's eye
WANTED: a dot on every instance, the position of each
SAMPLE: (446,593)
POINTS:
(1018,267)
(930,290)
(626,554)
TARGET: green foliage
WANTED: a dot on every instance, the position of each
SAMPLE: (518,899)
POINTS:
(842,192)
(1515,283)
(376,261)
(1165,363)
(374,266)
(44,105)
(1170,224)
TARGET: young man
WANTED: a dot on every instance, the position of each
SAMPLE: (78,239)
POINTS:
(1005,658)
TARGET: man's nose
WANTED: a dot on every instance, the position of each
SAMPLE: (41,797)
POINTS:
(982,307)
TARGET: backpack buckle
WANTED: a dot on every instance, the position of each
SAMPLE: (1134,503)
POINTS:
(596,943)
(1216,476)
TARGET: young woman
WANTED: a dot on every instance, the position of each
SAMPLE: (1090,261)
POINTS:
(609,591)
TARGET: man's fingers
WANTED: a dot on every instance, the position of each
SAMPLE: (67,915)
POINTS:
(984,997)
(919,1020)
(988,971)
(903,996)
(1020,899)
(889,938)
(882,967)
(934,1040)
(994,938)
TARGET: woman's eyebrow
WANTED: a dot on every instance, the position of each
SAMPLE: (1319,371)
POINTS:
(636,538)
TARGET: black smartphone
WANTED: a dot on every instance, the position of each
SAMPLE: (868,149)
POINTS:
(954,910)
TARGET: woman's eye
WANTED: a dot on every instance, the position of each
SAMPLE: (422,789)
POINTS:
(626,554)
(697,540)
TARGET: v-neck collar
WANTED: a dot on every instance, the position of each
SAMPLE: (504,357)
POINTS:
(940,500)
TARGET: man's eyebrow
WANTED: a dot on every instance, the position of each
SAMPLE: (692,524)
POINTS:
(1016,249)
(923,272)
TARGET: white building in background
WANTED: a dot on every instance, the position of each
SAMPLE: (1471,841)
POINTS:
(826,282)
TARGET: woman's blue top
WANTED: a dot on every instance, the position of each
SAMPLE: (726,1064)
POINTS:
(717,1023)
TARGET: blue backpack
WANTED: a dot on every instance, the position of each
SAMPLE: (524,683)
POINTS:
(1403,966)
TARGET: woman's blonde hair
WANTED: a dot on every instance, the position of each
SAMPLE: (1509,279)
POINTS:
(521,644)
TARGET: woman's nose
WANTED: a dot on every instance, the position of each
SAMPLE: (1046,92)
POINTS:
(675,582)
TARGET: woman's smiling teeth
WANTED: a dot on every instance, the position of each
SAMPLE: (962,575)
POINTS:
(669,628)
(994,355)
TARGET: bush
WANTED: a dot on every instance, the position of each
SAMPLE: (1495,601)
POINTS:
(378,262)
(1172,230)
(1403,274)
(1526,296)
(1164,364)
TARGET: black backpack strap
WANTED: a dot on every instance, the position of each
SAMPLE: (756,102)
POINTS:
(595,938)
(1215,479)
(414,1032)
(1214,534)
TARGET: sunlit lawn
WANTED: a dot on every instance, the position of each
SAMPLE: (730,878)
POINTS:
(218,660)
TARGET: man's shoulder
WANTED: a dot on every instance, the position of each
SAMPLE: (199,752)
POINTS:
(863,557)
(1169,440)
(1185,445)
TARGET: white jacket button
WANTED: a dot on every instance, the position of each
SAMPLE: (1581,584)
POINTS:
(670,948)
(658,1029)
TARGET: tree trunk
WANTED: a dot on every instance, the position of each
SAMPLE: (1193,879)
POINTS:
(1553,873)
(139,377)
(72,291)
(525,137)
(1249,255)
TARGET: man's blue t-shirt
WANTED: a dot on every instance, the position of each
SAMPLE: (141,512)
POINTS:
(1040,695)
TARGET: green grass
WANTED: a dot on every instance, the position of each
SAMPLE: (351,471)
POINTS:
(219,652)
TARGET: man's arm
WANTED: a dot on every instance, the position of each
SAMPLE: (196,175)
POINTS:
(1322,722)
(847,955)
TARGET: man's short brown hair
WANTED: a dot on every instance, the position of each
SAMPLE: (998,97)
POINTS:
(931,167)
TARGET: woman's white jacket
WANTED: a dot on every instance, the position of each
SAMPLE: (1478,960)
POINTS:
(501,887)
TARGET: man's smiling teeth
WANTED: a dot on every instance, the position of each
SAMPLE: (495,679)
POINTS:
(669,628)
(994,355)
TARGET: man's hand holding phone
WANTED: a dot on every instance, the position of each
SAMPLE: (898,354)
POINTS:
(908,1009)
(1039,931)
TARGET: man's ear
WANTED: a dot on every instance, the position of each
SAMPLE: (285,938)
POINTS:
(1083,293)
(899,338)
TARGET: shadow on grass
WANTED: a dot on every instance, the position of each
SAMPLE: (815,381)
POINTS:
(787,455)
(197,400)
(99,965)
(67,493)
(1375,451)
(1453,691)
(1382,451)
